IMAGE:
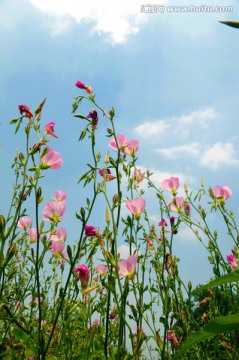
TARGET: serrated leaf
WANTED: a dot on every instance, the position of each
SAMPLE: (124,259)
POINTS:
(225,279)
(220,325)
(231,23)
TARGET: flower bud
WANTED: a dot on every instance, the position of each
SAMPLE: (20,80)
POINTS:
(2,225)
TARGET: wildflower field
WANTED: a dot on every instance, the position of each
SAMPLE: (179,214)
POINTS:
(60,300)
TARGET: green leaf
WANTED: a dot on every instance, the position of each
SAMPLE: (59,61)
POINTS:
(225,279)
(220,325)
(81,116)
(231,23)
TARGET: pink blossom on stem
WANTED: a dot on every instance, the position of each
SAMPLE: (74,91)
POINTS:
(57,248)
(122,143)
(32,235)
(60,235)
(102,269)
(49,129)
(138,176)
(24,222)
(128,267)
(91,231)
(132,147)
(54,211)
(36,301)
(232,260)
(221,193)
(83,275)
(171,185)
(81,85)
(136,206)
(60,196)
(176,204)
(127,146)
(52,159)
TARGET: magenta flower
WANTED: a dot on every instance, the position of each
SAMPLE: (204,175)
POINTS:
(32,235)
(60,196)
(24,222)
(106,173)
(83,275)
(54,211)
(232,260)
(57,248)
(52,159)
(102,269)
(176,204)
(136,206)
(25,111)
(171,185)
(81,85)
(221,193)
(163,223)
(128,267)
(91,231)
(49,129)
(60,235)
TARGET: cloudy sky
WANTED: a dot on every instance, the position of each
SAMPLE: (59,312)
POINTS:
(172,76)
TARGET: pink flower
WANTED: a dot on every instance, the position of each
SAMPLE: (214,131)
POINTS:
(83,275)
(24,222)
(54,211)
(91,231)
(138,176)
(127,146)
(36,301)
(49,129)
(25,111)
(136,206)
(106,173)
(128,267)
(176,204)
(57,248)
(163,223)
(221,193)
(149,241)
(132,147)
(122,143)
(60,235)
(52,159)
(60,196)
(232,260)
(102,269)
(32,235)
(171,185)
(81,85)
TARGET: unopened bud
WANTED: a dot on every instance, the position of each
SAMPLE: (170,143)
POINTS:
(22,158)
(109,257)
(107,215)
(2,224)
(112,112)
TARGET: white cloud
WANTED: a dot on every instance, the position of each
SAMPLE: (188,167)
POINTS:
(174,152)
(151,128)
(198,118)
(123,250)
(219,155)
(117,20)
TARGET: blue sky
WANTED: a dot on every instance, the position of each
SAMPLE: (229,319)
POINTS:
(172,78)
